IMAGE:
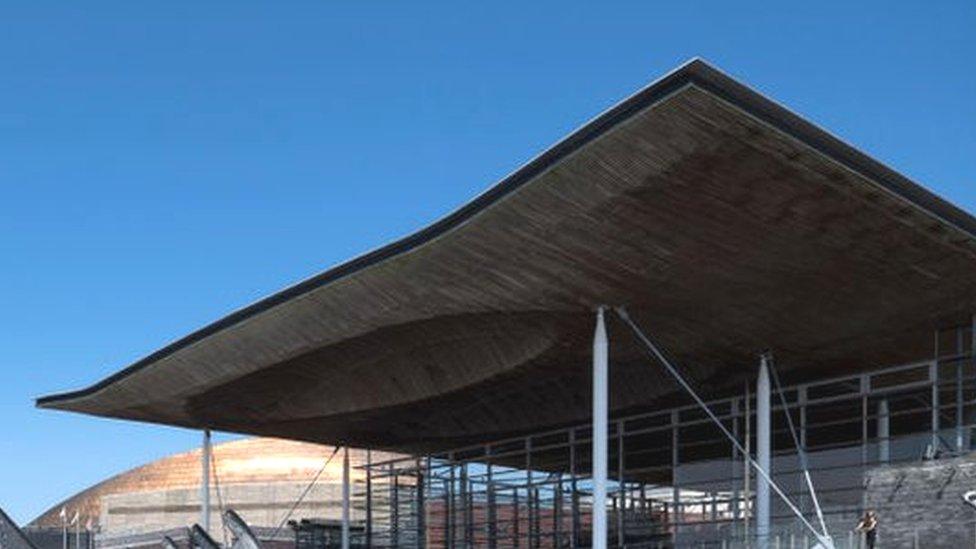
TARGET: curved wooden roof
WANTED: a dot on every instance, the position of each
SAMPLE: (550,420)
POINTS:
(727,225)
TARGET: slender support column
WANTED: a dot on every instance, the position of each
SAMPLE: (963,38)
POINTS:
(615,508)
(529,513)
(492,512)
(535,528)
(801,395)
(205,482)
(884,433)
(959,409)
(557,511)
(734,504)
(747,469)
(574,493)
(621,466)
(600,419)
(516,521)
(677,511)
(429,487)
(763,439)
(451,504)
(864,420)
(465,508)
(345,498)
(801,399)
(471,530)
(463,502)
(369,496)
(448,531)
(934,375)
(394,506)
(421,522)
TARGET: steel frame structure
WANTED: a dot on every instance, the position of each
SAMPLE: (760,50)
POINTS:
(674,480)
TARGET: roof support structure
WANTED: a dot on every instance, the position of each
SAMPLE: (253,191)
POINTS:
(205,481)
(345,498)
(600,420)
(763,453)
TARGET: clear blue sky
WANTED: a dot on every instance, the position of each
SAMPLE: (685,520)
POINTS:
(162,164)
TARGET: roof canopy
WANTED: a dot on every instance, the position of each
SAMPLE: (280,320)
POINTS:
(725,223)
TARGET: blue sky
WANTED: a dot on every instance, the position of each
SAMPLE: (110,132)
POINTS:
(162,164)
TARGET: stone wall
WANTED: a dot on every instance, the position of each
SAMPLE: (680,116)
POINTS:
(923,498)
(11,537)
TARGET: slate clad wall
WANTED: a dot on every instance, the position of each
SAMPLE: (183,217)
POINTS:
(11,537)
(927,497)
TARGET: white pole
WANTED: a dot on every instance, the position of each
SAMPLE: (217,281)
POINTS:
(746,481)
(763,418)
(600,420)
(64,530)
(345,498)
(884,432)
(205,482)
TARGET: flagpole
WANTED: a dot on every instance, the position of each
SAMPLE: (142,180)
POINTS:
(64,527)
(90,539)
(74,522)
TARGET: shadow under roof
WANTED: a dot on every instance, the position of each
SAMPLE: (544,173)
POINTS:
(725,223)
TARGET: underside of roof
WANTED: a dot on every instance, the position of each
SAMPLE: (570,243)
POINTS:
(726,224)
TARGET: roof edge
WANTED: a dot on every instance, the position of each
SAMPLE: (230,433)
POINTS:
(696,72)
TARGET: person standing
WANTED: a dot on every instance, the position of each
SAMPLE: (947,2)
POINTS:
(869,525)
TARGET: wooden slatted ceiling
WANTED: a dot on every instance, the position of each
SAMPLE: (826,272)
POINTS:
(724,236)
